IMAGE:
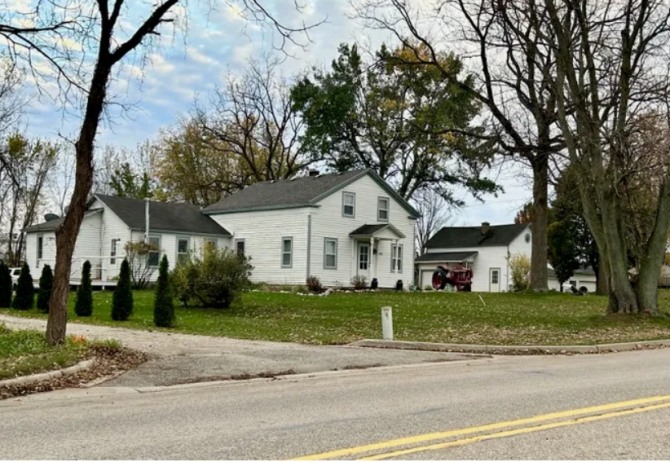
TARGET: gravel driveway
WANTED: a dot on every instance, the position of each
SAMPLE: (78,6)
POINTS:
(183,358)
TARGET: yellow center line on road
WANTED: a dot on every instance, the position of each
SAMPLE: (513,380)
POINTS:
(639,405)
(519,431)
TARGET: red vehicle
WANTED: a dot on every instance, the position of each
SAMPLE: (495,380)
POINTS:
(459,278)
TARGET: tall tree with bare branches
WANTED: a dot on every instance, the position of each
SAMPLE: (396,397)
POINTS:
(113,31)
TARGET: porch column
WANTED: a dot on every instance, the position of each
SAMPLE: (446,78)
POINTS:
(373,269)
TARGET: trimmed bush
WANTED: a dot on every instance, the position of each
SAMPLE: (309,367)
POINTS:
(213,280)
(163,303)
(6,288)
(84,304)
(25,292)
(122,299)
(519,265)
(44,292)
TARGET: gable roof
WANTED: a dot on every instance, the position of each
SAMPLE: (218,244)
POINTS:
(305,191)
(471,236)
(52,225)
(163,216)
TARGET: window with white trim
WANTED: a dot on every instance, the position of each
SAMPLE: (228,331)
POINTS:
(396,258)
(348,204)
(382,209)
(40,247)
(286,252)
(330,253)
(154,254)
(113,251)
(239,247)
(182,249)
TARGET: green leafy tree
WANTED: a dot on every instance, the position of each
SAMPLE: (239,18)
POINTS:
(25,292)
(44,292)
(125,182)
(122,300)
(5,286)
(163,303)
(84,304)
(402,120)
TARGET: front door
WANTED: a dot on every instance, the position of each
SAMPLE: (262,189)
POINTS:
(363,268)
(494,280)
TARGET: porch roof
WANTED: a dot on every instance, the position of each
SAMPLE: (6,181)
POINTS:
(447,257)
(383,231)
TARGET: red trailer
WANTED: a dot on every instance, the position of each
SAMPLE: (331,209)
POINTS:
(458,278)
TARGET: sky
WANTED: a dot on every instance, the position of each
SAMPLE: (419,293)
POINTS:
(161,84)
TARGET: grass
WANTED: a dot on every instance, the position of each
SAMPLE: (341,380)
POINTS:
(25,352)
(470,318)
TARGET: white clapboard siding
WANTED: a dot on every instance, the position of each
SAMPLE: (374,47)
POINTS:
(328,222)
(262,232)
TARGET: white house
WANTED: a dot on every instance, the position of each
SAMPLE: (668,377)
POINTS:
(110,222)
(334,227)
(583,278)
(484,249)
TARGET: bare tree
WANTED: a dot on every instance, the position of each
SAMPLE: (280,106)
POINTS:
(31,163)
(506,47)
(252,123)
(107,28)
(613,67)
(433,213)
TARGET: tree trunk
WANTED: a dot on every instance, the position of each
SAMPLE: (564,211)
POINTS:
(601,280)
(650,265)
(538,256)
(66,234)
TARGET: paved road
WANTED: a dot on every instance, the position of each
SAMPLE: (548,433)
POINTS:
(463,402)
(182,358)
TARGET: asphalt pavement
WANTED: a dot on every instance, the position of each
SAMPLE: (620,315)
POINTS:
(181,358)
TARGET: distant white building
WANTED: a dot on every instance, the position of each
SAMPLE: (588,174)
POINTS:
(484,249)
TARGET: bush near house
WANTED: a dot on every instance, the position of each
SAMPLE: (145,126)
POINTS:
(122,300)
(163,303)
(359,282)
(5,286)
(84,304)
(213,280)
(25,292)
(44,292)
(314,284)
(519,265)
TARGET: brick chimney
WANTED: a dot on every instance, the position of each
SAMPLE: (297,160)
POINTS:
(485,228)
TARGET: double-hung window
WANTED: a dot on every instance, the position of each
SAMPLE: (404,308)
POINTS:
(239,247)
(113,251)
(396,258)
(286,252)
(330,253)
(348,204)
(154,251)
(383,209)
(182,249)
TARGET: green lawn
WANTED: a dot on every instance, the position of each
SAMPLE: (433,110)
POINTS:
(25,352)
(508,318)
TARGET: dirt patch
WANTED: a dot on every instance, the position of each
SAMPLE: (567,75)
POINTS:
(109,362)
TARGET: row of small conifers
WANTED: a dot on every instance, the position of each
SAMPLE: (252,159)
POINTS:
(23,297)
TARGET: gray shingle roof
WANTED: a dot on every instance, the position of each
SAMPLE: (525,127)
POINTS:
(471,236)
(298,192)
(163,216)
(446,257)
(369,230)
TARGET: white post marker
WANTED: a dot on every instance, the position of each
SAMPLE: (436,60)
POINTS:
(387,323)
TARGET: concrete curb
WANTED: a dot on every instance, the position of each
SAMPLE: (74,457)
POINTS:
(513,349)
(36,378)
